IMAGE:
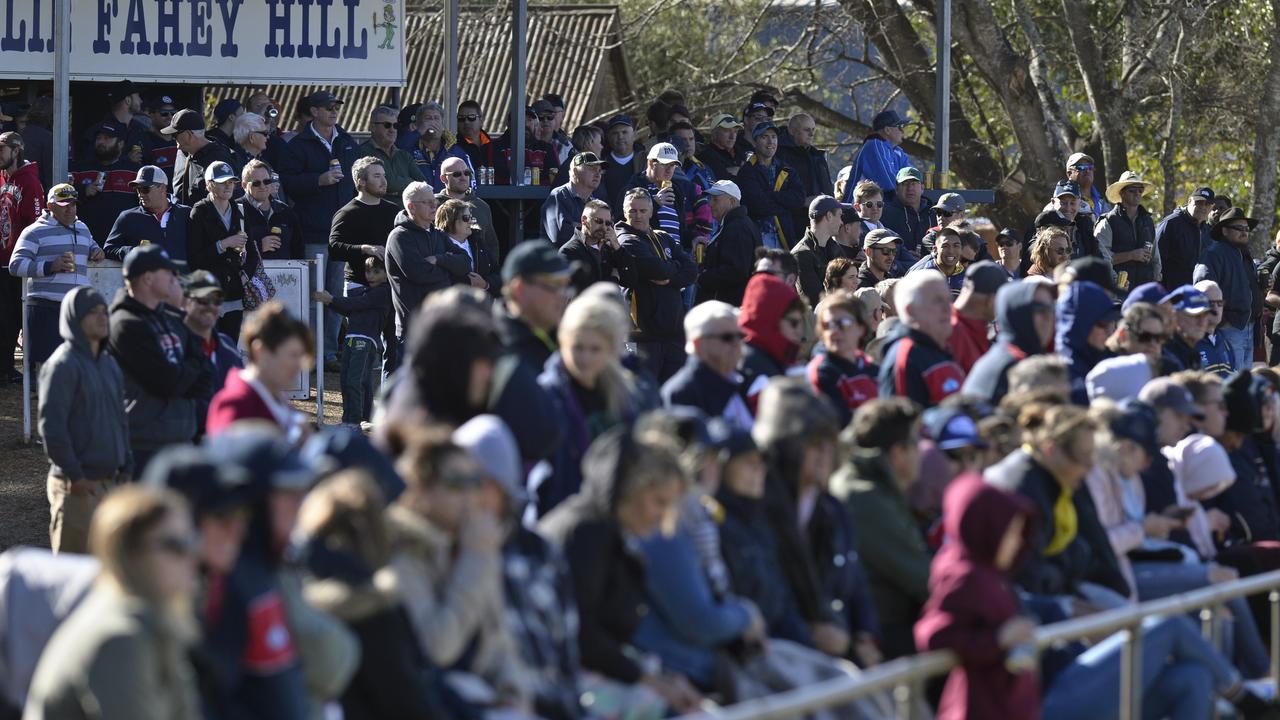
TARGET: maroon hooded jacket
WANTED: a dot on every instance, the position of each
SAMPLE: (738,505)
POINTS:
(969,599)
(768,352)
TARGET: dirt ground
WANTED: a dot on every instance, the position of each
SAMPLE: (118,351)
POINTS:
(24,509)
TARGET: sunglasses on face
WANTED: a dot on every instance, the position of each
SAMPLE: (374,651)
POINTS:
(261,183)
(1083,166)
(211,301)
(546,118)
(873,204)
(840,323)
(469,118)
(460,173)
(726,337)
(1150,337)
(1236,228)
(182,546)
(1006,242)
(331,108)
(384,125)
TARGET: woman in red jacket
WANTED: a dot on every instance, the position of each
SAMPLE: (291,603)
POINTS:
(277,347)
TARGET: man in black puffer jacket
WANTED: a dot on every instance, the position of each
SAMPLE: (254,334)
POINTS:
(663,270)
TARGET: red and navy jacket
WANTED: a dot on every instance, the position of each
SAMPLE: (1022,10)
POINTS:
(915,367)
(847,384)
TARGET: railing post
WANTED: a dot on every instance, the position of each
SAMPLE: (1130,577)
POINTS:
(1274,598)
(1131,674)
(902,701)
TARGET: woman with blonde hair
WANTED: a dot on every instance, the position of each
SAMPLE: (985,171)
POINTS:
(1052,248)
(592,389)
(123,652)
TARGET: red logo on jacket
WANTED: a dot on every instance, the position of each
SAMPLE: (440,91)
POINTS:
(270,647)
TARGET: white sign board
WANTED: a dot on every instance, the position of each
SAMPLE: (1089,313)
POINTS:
(292,279)
(213,42)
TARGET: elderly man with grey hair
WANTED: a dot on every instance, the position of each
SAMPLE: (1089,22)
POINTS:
(412,254)
(249,134)
(709,379)
(398,164)
(429,144)
(916,364)
(1215,353)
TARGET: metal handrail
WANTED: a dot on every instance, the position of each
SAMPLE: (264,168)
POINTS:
(906,676)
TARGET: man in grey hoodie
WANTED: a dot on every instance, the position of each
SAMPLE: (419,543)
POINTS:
(82,420)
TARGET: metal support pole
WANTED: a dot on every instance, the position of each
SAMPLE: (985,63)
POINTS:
(61,89)
(26,365)
(320,268)
(902,701)
(519,30)
(1274,598)
(942,128)
(450,98)
(1131,674)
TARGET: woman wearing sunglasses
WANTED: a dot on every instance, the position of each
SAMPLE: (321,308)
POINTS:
(480,270)
(843,372)
(1052,247)
(123,652)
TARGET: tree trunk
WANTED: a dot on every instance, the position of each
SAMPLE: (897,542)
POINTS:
(1267,142)
(1104,101)
(1173,124)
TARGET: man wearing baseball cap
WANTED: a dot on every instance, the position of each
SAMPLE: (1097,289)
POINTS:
(317,174)
(224,116)
(154,220)
(562,211)
(881,248)
(21,204)
(102,179)
(880,157)
(907,211)
(770,190)
(730,256)
(195,153)
(54,252)
(1182,235)
(432,143)
(949,209)
(974,311)
(162,151)
(1080,170)
(817,247)
(670,200)
(1190,322)
(720,153)
(1227,261)
(535,280)
(621,161)
(202,302)
(165,370)
(124,106)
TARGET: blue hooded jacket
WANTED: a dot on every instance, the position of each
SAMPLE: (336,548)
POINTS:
(876,160)
(989,377)
(1082,306)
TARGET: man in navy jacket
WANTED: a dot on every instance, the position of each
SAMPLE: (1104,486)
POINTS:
(156,221)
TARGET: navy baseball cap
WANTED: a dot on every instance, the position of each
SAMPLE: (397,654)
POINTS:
(147,258)
(1137,421)
(952,429)
(888,118)
(985,277)
(762,128)
(1204,193)
(1189,300)
(822,205)
(620,120)
(1066,187)
(225,109)
(535,257)
(1152,292)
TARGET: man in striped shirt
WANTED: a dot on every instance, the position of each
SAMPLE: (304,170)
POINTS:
(54,252)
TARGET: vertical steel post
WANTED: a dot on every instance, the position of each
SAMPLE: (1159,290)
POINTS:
(450,98)
(1274,598)
(519,30)
(26,366)
(62,88)
(320,268)
(1131,674)
(942,129)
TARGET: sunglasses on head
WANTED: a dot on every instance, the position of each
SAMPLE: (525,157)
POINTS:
(472,117)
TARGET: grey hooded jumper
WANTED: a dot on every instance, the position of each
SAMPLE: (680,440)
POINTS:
(81,411)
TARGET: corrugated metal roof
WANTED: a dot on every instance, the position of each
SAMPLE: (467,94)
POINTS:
(574,50)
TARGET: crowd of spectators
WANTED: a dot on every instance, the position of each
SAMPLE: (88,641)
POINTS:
(727,428)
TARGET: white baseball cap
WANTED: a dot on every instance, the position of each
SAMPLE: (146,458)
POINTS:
(665,153)
(725,187)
